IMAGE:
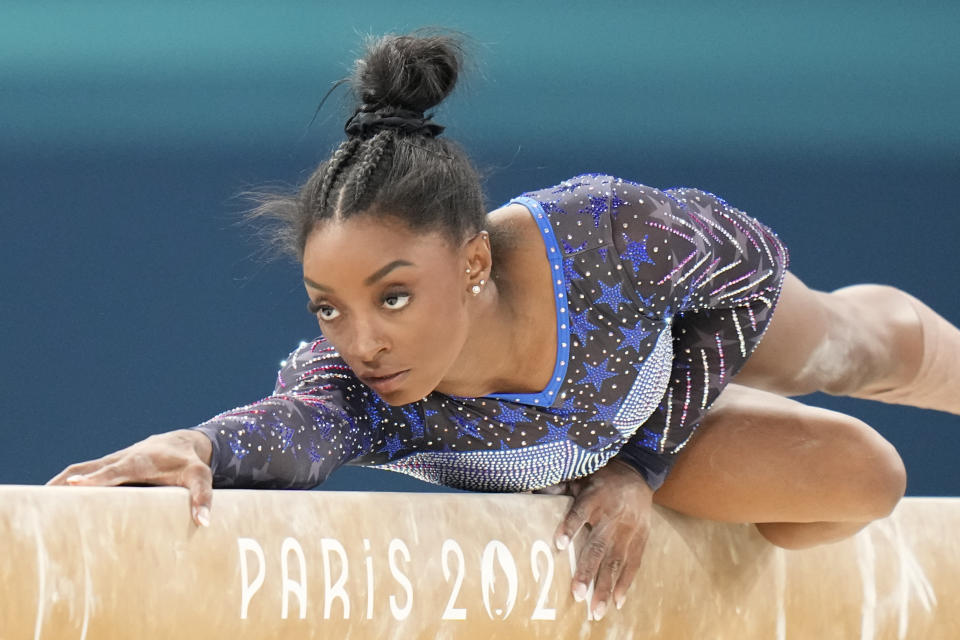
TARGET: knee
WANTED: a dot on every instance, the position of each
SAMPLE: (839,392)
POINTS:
(892,481)
(878,478)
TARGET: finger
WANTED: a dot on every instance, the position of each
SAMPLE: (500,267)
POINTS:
(630,568)
(79,469)
(104,475)
(588,561)
(198,480)
(610,569)
(577,516)
(84,468)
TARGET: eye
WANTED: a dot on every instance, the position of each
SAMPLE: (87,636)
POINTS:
(322,311)
(394,301)
(326,312)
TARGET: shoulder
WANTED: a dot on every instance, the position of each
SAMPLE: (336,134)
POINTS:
(596,184)
(593,193)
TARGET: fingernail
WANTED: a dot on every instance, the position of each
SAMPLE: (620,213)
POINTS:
(620,602)
(600,610)
(579,591)
(203,516)
(76,478)
(562,542)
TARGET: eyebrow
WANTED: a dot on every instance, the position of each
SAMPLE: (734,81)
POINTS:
(373,277)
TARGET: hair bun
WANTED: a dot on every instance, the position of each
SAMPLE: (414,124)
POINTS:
(414,71)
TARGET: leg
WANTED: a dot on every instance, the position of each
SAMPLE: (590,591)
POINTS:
(806,475)
(866,341)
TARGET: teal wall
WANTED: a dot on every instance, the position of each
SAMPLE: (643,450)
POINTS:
(131,303)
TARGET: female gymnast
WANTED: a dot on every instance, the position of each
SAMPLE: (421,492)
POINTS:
(597,337)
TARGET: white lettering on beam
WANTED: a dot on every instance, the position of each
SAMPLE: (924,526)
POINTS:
(541,548)
(299,589)
(334,591)
(451,546)
(368,561)
(398,545)
(496,550)
(247,589)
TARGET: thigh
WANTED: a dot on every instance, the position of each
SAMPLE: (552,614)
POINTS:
(760,457)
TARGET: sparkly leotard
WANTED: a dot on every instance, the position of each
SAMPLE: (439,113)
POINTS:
(660,295)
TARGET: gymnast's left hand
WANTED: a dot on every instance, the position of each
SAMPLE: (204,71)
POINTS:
(616,503)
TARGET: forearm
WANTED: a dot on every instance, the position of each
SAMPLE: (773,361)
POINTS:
(281,442)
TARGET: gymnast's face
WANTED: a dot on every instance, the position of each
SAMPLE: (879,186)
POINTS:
(392,301)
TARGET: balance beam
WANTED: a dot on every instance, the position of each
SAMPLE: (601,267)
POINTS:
(128,562)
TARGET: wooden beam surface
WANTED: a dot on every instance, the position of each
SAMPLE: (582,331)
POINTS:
(127,562)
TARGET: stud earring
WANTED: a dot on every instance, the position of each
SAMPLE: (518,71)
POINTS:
(475,289)
(468,269)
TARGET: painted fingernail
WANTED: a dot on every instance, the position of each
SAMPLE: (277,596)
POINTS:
(620,602)
(579,591)
(203,516)
(600,610)
(76,478)
(562,542)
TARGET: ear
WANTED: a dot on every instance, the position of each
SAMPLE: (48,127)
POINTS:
(478,259)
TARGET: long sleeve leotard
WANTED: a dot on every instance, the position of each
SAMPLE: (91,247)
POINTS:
(661,296)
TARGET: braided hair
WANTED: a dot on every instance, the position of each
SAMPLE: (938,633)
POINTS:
(392,162)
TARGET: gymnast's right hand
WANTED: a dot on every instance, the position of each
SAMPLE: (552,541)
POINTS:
(180,458)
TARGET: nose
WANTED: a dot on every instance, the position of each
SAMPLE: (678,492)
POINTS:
(369,340)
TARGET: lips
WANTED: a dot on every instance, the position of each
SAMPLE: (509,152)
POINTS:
(385,383)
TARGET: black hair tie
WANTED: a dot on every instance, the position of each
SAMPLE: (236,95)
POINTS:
(368,120)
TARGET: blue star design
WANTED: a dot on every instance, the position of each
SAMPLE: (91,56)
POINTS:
(648,439)
(510,417)
(597,207)
(554,433)
(581,325)
(616,202)
(569,248)
(468,426)
(551,207)
(606,413)
(364,444)
(603,442)
(636,252)
(392,445)
(286,436)
(569,272)
(237,449)
(633,337)
(596,375)
(610,296)
(316,455)
(414,421)
(603,253)
(373,412)
(566,408)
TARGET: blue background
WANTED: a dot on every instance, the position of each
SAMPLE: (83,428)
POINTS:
(132,303)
